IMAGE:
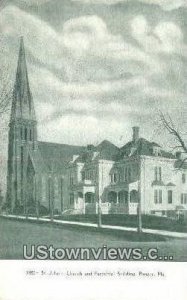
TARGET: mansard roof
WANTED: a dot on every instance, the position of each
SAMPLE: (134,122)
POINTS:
(22,103)
(56,156)
(142,147)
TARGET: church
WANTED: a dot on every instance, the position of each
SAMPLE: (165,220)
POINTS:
(34,167)
(48,178)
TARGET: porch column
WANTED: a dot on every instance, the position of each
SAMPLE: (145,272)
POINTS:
(51,204)
(83,202)
(128,201)
(117,198)
(61,195)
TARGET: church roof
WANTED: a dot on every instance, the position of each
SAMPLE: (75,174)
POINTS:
(22,104)
(56,156)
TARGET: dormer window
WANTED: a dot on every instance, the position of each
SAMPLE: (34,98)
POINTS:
(156,151)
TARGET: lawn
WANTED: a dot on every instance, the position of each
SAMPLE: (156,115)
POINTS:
(15,234)
(148,221)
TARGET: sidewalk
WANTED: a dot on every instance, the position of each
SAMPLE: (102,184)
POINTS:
(165,233)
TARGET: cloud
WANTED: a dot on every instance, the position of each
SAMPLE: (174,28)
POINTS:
(164,4)
(164,37)
(87,33)
(86,71)
(40,39)
(34,2)
(84,50)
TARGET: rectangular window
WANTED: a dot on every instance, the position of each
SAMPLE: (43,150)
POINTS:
(158,173)
(170,197)
(183,178)
(181,198)
(184,198)
(125,174)
(113,177)
(71,179)
(160,196)
(157,196)
(71,199)
(83,175)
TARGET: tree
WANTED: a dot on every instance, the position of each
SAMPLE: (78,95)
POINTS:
(5,90)
(3,3)
(5,94)
(5,83)
(173,130)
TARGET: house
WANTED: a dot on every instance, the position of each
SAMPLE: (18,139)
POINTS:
(118,179)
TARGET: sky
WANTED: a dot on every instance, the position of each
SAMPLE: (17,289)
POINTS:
(98,67)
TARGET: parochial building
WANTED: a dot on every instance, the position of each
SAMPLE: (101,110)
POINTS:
(47,177)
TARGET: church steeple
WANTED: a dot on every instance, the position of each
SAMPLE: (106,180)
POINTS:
(22,136)
(22,104)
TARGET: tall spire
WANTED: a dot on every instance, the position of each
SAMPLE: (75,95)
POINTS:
(22,104)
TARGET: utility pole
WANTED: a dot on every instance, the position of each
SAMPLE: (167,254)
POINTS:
(61,196)
(36,199)
(139,208)
(99,214)
(99,200)
(51,199)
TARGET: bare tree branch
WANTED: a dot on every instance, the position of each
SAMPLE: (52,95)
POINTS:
(5,83)
(171,128)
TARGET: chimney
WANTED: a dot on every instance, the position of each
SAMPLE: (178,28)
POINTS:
(135,136)
(90,147)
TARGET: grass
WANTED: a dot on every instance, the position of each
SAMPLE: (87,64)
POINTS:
(148,221)
(15,234)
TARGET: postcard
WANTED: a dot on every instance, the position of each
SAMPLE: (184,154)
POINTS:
(93,149)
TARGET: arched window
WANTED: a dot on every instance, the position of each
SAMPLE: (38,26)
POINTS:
(21,133)
(25,134)
(30,136)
